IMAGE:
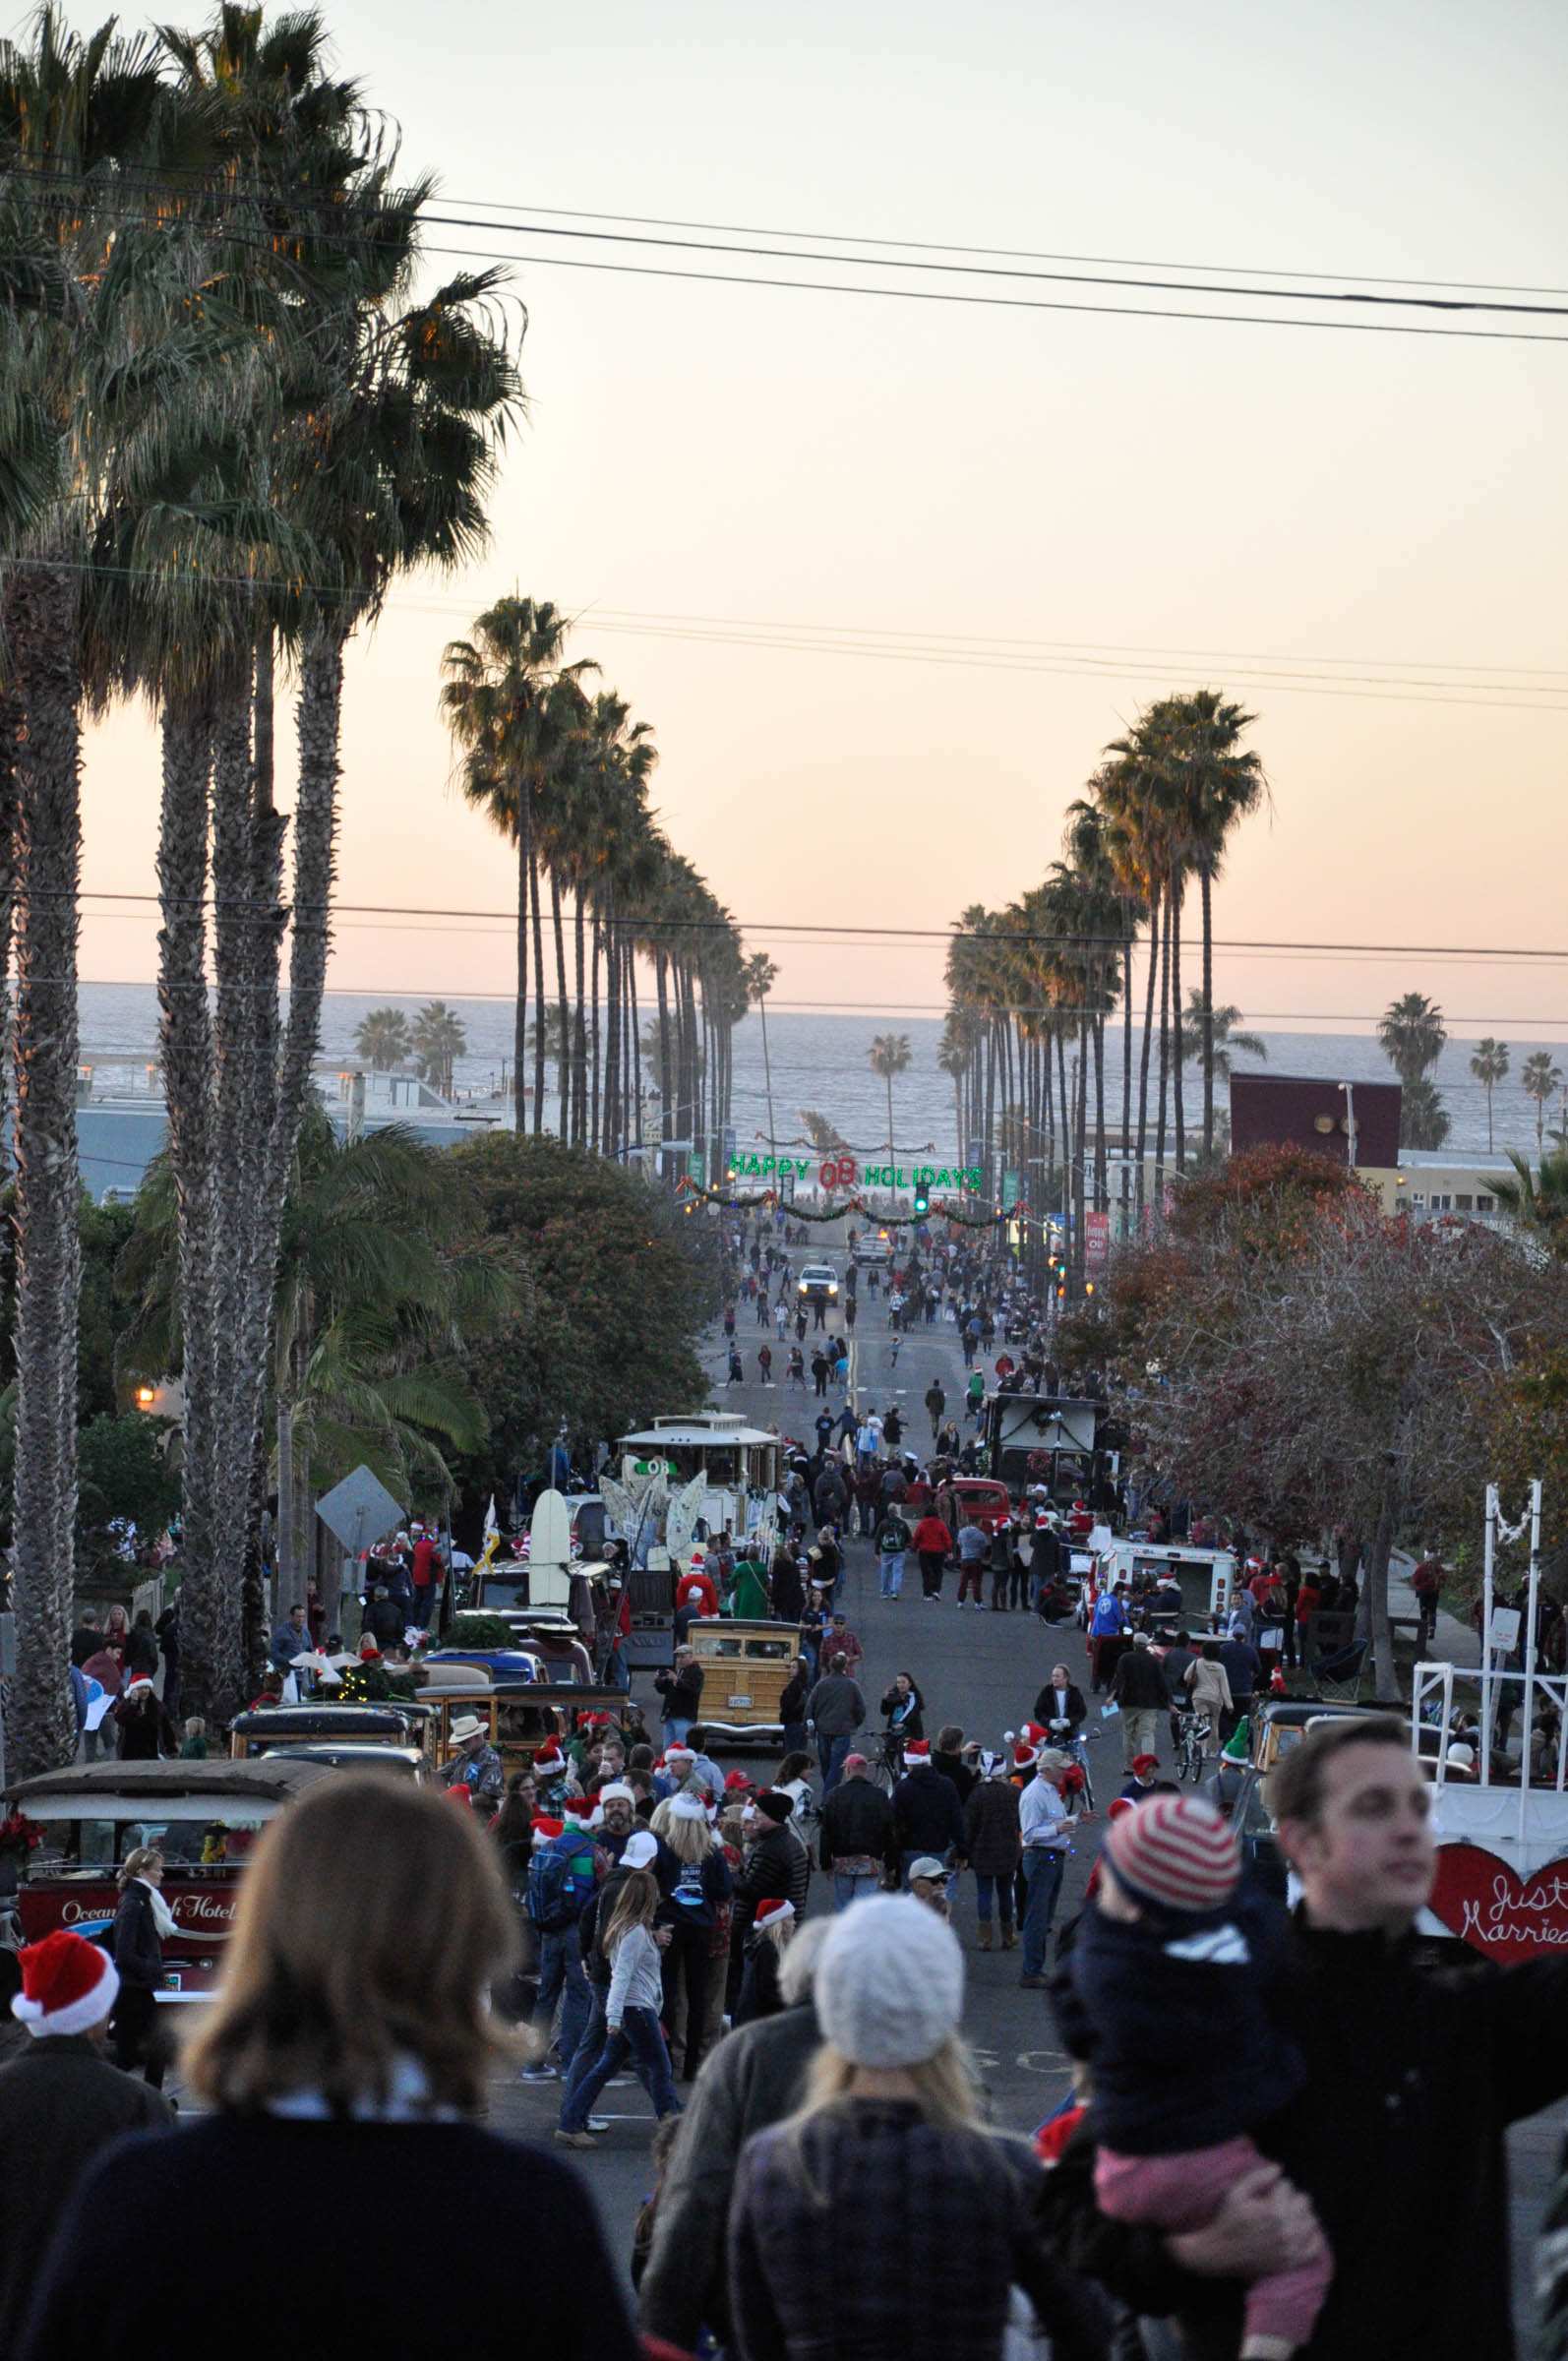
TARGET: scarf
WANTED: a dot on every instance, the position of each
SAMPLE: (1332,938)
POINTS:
(163,1915)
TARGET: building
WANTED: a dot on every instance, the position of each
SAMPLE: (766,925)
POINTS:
(1304,1111)
(1431,1182)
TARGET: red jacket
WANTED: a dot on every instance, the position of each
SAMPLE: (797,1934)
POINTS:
(425,1566)
(703,1585)
(930,1537)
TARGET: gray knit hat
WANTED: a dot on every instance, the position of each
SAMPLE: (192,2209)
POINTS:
(890,1982)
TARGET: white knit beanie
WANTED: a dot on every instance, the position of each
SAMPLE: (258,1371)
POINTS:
(890,1982)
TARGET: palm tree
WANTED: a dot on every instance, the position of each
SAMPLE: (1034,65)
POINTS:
(512,704)
(1413,1034)
(1423,1121)
(439,1038)
(889,1055)
(1538,1200)
(1539,1078)
(383,1040)
(1215,1033)
(1489,1065)
(761,975)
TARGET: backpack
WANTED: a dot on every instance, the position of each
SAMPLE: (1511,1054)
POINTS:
(561,1883)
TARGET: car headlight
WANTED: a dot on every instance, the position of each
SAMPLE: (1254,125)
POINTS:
(833,1287)
(800,1287)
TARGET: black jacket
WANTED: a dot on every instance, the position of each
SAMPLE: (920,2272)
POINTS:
(1138,1681)
(1045,1706)
(789,1592)
(793,1696)
(964,1775)
(682,1693)
(926,1813)
(990,1829)
(857,1817)
(138,1953)
(1414,2069)
(777,1866)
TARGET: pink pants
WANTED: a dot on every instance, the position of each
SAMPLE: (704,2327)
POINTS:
(1182,2193)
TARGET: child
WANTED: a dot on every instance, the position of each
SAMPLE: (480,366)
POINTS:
(1168,2005)
(632,2010)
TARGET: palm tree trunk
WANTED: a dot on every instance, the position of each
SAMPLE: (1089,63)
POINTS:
(1102,1195)
(1178,1093)
(537,923)
(768,1076)
(1148,1036)
(579,1023)
(565,1067)
(635,1033)
(42,628)
(520,1020)
(11,720)
(1126,1066)
(1206,885)
(290,1573)
(611,1122)
(666,1078)
(1165,1048)
(1066,1119)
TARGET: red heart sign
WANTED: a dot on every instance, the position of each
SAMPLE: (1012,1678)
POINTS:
(1477,1896)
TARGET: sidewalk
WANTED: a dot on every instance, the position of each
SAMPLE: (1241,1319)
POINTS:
(1456,1643)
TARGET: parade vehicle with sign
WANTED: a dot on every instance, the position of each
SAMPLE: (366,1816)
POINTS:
(746,1668)
(1206,1578)
(692,1477)
(79,1825)
(1062,1441)
(818,1284)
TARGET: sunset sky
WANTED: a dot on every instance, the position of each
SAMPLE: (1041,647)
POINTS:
(1386,507)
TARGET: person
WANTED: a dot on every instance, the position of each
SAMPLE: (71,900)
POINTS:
(1244,1669)
(61,2103)
(933,1544)
(1426,1581)
(142,1924)
(1209,1692)
(935,1404)
(992,1847)
(698,1589)
(854,1841)
(776,1869)
(1043,1819)
(682,1691)
(1165,1962)
(192,1739)
(1143,1780)
(632,2032)
(1138,1691)
(839,1640)
(141,1647)
(564,1871)
(1108,1623)
(143,1726)
(837,1710)
(927,1816)
(289,1638)
(928,1882)
(754,2078)
(772,1928)
(1059,1706)
(903,1709)
(476,1765)
(957,1758)
(892,1540)
(349,2047)
(765,1363)
(791,1706)
(701,1888)
(887,2160)
(973,1547)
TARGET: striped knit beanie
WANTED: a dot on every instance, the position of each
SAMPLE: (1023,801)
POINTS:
(1178,1852)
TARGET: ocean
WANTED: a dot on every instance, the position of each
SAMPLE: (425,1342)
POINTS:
(820,1062)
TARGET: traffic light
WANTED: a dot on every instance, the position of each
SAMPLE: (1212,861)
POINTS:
(921,1199)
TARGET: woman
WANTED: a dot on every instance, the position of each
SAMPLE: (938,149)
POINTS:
(891,2134)
(992,1846)
(632,2011)
(904,1708)
(772,1931)
(142,1924)
(791,1706)
(145,1729)
(349,2048)
(1208,1687)
(700,1892)
(141,1647)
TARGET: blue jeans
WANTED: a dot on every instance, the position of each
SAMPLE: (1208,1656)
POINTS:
(588,2049)
(850,1889)
(983,1887)
(892,1574)
(641,2040)
(830,1753)
(794,1738)
(1042,1868)
(675,1730)
(561,1978)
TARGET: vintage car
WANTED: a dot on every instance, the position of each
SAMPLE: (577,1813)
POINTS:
(516,1720)
(202,1817)
(543,1633)
(268,1728)
(746,1668)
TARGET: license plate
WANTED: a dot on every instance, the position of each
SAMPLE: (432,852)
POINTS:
(740,1701)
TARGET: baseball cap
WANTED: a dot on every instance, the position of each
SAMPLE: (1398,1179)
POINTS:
(927,1866)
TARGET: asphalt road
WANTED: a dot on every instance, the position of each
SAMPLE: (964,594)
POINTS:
(982,1671)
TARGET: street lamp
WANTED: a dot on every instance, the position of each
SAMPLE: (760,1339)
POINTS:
(1349,1088)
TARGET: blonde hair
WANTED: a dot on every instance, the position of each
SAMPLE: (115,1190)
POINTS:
(944,2086)
(690,1840)
(195,1725)
(777,1931)
(634,1905)
(138,1862)
(373,1920)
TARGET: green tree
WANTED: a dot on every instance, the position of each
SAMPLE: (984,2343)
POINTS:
(383,1039)
(761,974)
(1539,1076)
(889,1055)
(1413,1034)
(128,1478)
(1539,1201)
(438,1039)
(1489,1065)
(1423,1120)
(1220,1030)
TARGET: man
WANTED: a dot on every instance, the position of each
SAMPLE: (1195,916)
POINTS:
(682,1691)
(61,2103)
(830,1497)
(564,1875)
(927,1816)
(933,1546)
(974,1396)
(703,1769)
(426,1574)
(697,1591)
(1242,1619)
(1048,1561)
(869,1439)
(1106,1623)
(86,1639)
(1244,1668)
(855,1839)
(754,2078)
(1414,2073)
(1059,1706)
(893,1428)
(837,1710)
(1138,1690)
(1042,1824)
(476,1765)
(973,1547)
(1426,1581)
(841,1641)
(928,1882)
(892,1540)
(290,1639)
(957,1758)
(935,1403)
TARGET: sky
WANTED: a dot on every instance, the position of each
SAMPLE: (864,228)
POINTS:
(1192,503)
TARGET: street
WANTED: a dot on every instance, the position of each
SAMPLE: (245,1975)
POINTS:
(983,1671)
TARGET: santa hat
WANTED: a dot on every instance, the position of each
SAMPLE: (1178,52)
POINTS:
(1175,1851)
(1144,1765)
(688,1807)
(367,1647)
(68,1985)
(1120,1807)
(918,1751)
(1036,1733)
(548,1756)
(776,1913)
(545,1832)
(140,1687)
(679,1754)
(582,1809)
(617,1791)
(1023,1757)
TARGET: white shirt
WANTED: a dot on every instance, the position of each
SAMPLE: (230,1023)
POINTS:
(870,1439)
(1043,1818)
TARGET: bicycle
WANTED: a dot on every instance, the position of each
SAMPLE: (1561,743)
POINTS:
(889,1768)
(1080,1754)
(1192,1731)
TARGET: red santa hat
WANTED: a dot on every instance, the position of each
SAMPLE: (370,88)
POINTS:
(546,1831)
(675,1757)
(68,1985)
(1024,1757)
(1036,1733)
(918,1751)
(142,1686)
(582,1809)
(778,1911)
(367,1647)
(547,1756)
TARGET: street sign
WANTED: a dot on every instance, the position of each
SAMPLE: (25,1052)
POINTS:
(697,1167)
(1095,1241)
(359,1511)
(1502,1633)
(1009,1191)
(786,1185)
